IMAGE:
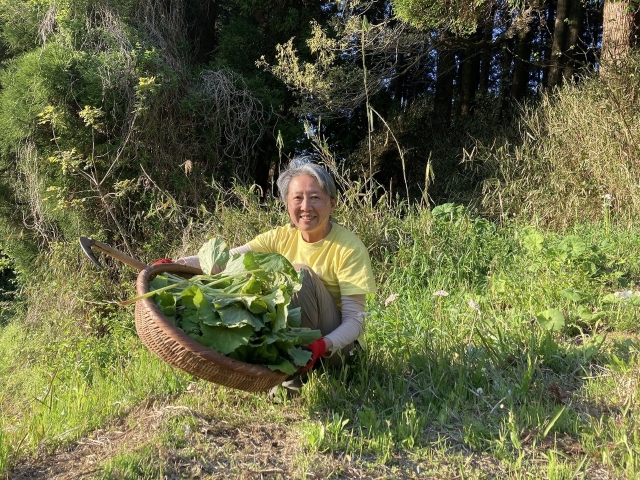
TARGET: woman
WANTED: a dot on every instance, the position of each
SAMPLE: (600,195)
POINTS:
(337,269)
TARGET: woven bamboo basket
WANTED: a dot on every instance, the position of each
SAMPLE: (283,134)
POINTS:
(179,350)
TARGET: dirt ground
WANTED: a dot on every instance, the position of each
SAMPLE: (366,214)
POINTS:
(217,450)
(210,448)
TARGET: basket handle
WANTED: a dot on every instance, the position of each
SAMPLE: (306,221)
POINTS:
(86,243)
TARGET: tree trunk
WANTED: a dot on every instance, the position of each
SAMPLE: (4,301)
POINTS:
(399,92)
(505,77)
(546,51)
(487,55)
(559,32)
(618,32)
(443,99)
(574,28)
(522,62)
(469,76)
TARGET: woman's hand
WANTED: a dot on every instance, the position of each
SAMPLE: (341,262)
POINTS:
(318,348)
(161,261)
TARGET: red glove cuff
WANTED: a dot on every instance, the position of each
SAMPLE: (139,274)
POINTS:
(161,261)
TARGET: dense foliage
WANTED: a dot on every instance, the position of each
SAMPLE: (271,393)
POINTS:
(485,155)
(119,118)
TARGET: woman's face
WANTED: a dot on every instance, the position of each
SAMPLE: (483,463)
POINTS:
(309,208)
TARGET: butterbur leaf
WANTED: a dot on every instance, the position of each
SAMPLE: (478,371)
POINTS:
(294,319)
(188,295)
(200,339)
(552,320)
(283,279)
(585,313)
(273,298)
(571,294)
(166,302)
(249,261)
(219,303)
(233,316)
(158,282)
(280,322)
(266,354)
(303,336)
(214,252)
(253,286)
(190,327)
(299,356)
(258,306)
(206,314)
(275,263)
(212,320)
(285,366)
(237,285)
(225,340)
(236,264)
(284,341)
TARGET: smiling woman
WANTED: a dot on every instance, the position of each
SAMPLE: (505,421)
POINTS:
(335,264)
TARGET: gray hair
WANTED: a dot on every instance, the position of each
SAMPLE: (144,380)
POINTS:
(304,166)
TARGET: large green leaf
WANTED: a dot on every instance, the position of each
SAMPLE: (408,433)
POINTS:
(212,253)
(233,316)
(285,366)
(225,340)
(552,320)
(299,356)
(275,263)
(294,318)
(166,302)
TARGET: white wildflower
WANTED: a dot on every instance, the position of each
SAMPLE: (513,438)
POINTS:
(479,391)
(441,293)
(624,294)
(474,305)
(390,299)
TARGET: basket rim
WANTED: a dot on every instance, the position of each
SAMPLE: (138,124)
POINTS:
(182,339)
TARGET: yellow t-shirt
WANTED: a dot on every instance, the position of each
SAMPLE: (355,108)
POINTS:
(340,259)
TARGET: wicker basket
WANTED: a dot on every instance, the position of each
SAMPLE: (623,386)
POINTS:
(179,350)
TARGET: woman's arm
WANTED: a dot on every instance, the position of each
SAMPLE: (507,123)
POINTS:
(352,324)
(193,260)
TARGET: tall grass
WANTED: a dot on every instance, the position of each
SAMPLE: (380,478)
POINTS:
(576,158)
(501,340)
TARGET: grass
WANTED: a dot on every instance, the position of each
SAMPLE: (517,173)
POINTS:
(574,158)
(493,351)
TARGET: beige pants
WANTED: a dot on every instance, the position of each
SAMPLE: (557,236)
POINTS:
(319,310)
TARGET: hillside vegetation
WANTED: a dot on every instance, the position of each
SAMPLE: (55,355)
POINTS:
(502,345)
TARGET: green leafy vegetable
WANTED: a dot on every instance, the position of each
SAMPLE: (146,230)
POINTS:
(243,312)
(214,252)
